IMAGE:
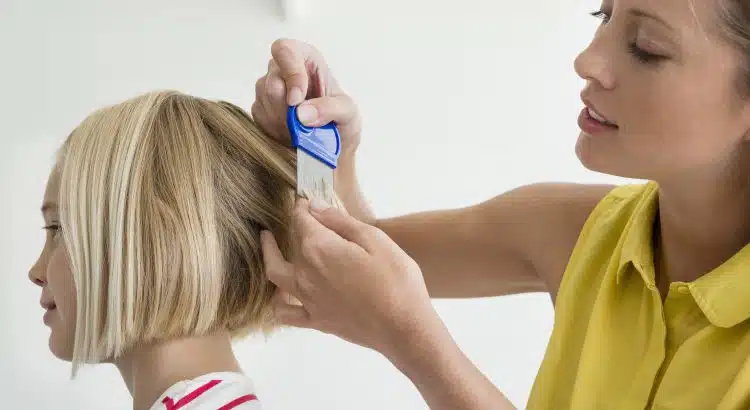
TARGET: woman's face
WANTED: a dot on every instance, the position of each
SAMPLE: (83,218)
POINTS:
(661,74)
(52,274)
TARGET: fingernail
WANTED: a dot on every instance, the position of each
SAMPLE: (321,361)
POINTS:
(307,113)
(318,205)
(295,96)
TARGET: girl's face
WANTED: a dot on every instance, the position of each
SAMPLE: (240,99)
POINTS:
(53,275)
(664,76)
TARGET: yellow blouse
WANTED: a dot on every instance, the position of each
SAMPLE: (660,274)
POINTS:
(616,345)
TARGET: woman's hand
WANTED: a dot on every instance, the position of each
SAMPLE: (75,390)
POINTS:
(352,280)
(298,74)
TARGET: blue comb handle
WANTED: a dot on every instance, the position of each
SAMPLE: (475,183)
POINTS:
(323,143)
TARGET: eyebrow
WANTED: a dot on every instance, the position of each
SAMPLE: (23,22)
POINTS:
(645,14)
(48,206)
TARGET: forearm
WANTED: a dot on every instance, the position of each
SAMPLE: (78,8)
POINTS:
(474,251)
(442,373)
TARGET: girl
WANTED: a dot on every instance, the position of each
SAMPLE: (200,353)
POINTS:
(153,260)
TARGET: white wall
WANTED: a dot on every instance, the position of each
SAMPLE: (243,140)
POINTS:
(462,101)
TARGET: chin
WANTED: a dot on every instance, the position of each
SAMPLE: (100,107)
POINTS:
(62,350)
(588,156)
(602,158)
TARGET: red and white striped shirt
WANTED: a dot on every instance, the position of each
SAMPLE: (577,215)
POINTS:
(213,391)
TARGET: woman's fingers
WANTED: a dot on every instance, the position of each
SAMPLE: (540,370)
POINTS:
(275,95)
(288,313)
(278,270)
(290,57)
(261,119)
(346,226)
(297,71)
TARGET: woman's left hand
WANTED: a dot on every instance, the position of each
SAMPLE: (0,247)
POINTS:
(353,281)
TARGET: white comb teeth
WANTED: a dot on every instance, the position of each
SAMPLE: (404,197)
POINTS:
(314,178)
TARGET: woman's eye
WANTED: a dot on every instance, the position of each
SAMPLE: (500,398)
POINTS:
(602,15)
(643,55)
(52,228)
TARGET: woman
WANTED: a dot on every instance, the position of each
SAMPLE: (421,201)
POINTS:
(650,285)
(152,260)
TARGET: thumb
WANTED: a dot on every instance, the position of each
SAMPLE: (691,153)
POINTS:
(291,62)
(339,109)
(343,224)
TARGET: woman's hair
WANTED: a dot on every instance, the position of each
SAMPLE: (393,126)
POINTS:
(162,201)
(734,21)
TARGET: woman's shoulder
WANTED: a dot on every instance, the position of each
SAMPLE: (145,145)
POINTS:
(214,391)
(574,220)
(619,205)
(632,191)
(625,212)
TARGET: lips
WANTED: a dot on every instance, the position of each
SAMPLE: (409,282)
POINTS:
(596,114)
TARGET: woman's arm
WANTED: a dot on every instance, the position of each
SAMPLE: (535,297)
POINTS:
(443,374)
(516,242)
(355,282)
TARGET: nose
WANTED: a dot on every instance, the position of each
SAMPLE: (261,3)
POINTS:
(593,65)
(37,274)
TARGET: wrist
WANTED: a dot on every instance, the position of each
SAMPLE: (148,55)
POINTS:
(347,187)
(346,165)
(418,342)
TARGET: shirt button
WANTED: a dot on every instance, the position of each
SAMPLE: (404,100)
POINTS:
(683,289)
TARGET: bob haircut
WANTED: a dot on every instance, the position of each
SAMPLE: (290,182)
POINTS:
(162,201)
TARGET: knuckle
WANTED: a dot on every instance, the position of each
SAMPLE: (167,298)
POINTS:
(278,45)
(284,48)
(275,87)
(303,284)
(325,243)
(290,75)
(310,248)
(375,234)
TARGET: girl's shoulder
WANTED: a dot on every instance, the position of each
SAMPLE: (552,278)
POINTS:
(214,391)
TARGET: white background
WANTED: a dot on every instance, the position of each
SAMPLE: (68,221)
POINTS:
(462,100)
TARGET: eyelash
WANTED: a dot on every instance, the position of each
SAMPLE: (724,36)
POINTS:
(637,52)
(54,228)
(602,15)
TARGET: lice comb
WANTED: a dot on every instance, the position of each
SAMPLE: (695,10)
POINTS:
(318,151)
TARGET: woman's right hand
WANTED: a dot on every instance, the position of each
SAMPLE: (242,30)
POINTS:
(298,75)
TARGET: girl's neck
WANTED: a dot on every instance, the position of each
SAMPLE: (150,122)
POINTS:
(148,371)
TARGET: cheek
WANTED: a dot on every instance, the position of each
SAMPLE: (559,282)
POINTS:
(62,288)
(688,126)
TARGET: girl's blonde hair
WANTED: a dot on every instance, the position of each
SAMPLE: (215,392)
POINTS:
(162,200)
